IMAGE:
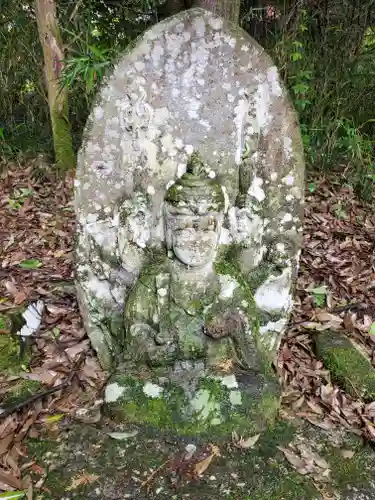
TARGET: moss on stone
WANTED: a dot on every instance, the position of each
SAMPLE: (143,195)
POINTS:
(228,264)
(263,471)
(348,366)
(354,471)
(11,362)
(212,408)
(260,473)
(20,391)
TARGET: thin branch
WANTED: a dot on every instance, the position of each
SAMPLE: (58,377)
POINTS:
(32,399)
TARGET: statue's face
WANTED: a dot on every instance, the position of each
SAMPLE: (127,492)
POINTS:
(244,225)
(193,237)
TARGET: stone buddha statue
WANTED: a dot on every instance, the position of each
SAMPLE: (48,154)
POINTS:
(182,307)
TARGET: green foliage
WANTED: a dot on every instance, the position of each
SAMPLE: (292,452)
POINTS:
(13,495)
(31,264)
(19,197)
(324,50)
(328,65)
(320,295)
(86,67)
(94,33)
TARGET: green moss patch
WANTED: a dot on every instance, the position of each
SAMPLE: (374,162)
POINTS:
(11,362)
(348,366)
(20,391)
(209,406)
(258,473)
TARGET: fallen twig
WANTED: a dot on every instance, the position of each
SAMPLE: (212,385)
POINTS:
(155,473)
(32,399)
(40,395)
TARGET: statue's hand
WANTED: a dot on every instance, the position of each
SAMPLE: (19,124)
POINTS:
(142,331)
(146,332)
(230,324)
(152,346)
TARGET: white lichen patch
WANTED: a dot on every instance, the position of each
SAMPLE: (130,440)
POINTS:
(104,234)
(228,286)
(273,79)
(100,289)
(162,292)
(235,398)
(288,180)
(274,295)
(245,226)
(206,407)
(229,381)
(226,199)
(215,23)
(98,113)
(263,101)
(113,392)
(256,189)
(274,326)
(296,192)
(225,237)
(286,218)
(240,116)
(288,147)
(152,390)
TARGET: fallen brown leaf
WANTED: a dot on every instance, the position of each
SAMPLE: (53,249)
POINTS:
(293,458)
(203,465)
(84,478)
(347,453)
(10,480)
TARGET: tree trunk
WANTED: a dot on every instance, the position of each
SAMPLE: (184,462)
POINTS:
(172,7)
(57,97)
(227,9)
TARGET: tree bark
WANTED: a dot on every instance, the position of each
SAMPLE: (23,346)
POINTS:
(172,7)
(50,39)
(227,9)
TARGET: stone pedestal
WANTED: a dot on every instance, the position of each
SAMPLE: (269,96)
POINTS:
(190,399)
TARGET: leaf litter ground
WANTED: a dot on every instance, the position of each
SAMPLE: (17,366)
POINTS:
(334,290)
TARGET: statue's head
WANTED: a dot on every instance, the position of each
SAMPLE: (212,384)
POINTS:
(194,210)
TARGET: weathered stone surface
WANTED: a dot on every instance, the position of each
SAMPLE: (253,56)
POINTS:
(191,400)
(118,466)
(347,363)
(191,83)
(189,204)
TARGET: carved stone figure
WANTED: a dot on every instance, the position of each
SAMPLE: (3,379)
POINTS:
(189,201)
(178,304)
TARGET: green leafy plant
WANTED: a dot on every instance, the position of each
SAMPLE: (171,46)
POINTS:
(86,64)
(19,197)
(312,187)
(320,295)
(12,495)
(31,264)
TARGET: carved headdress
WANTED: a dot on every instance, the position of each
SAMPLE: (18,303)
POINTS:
(195,187)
